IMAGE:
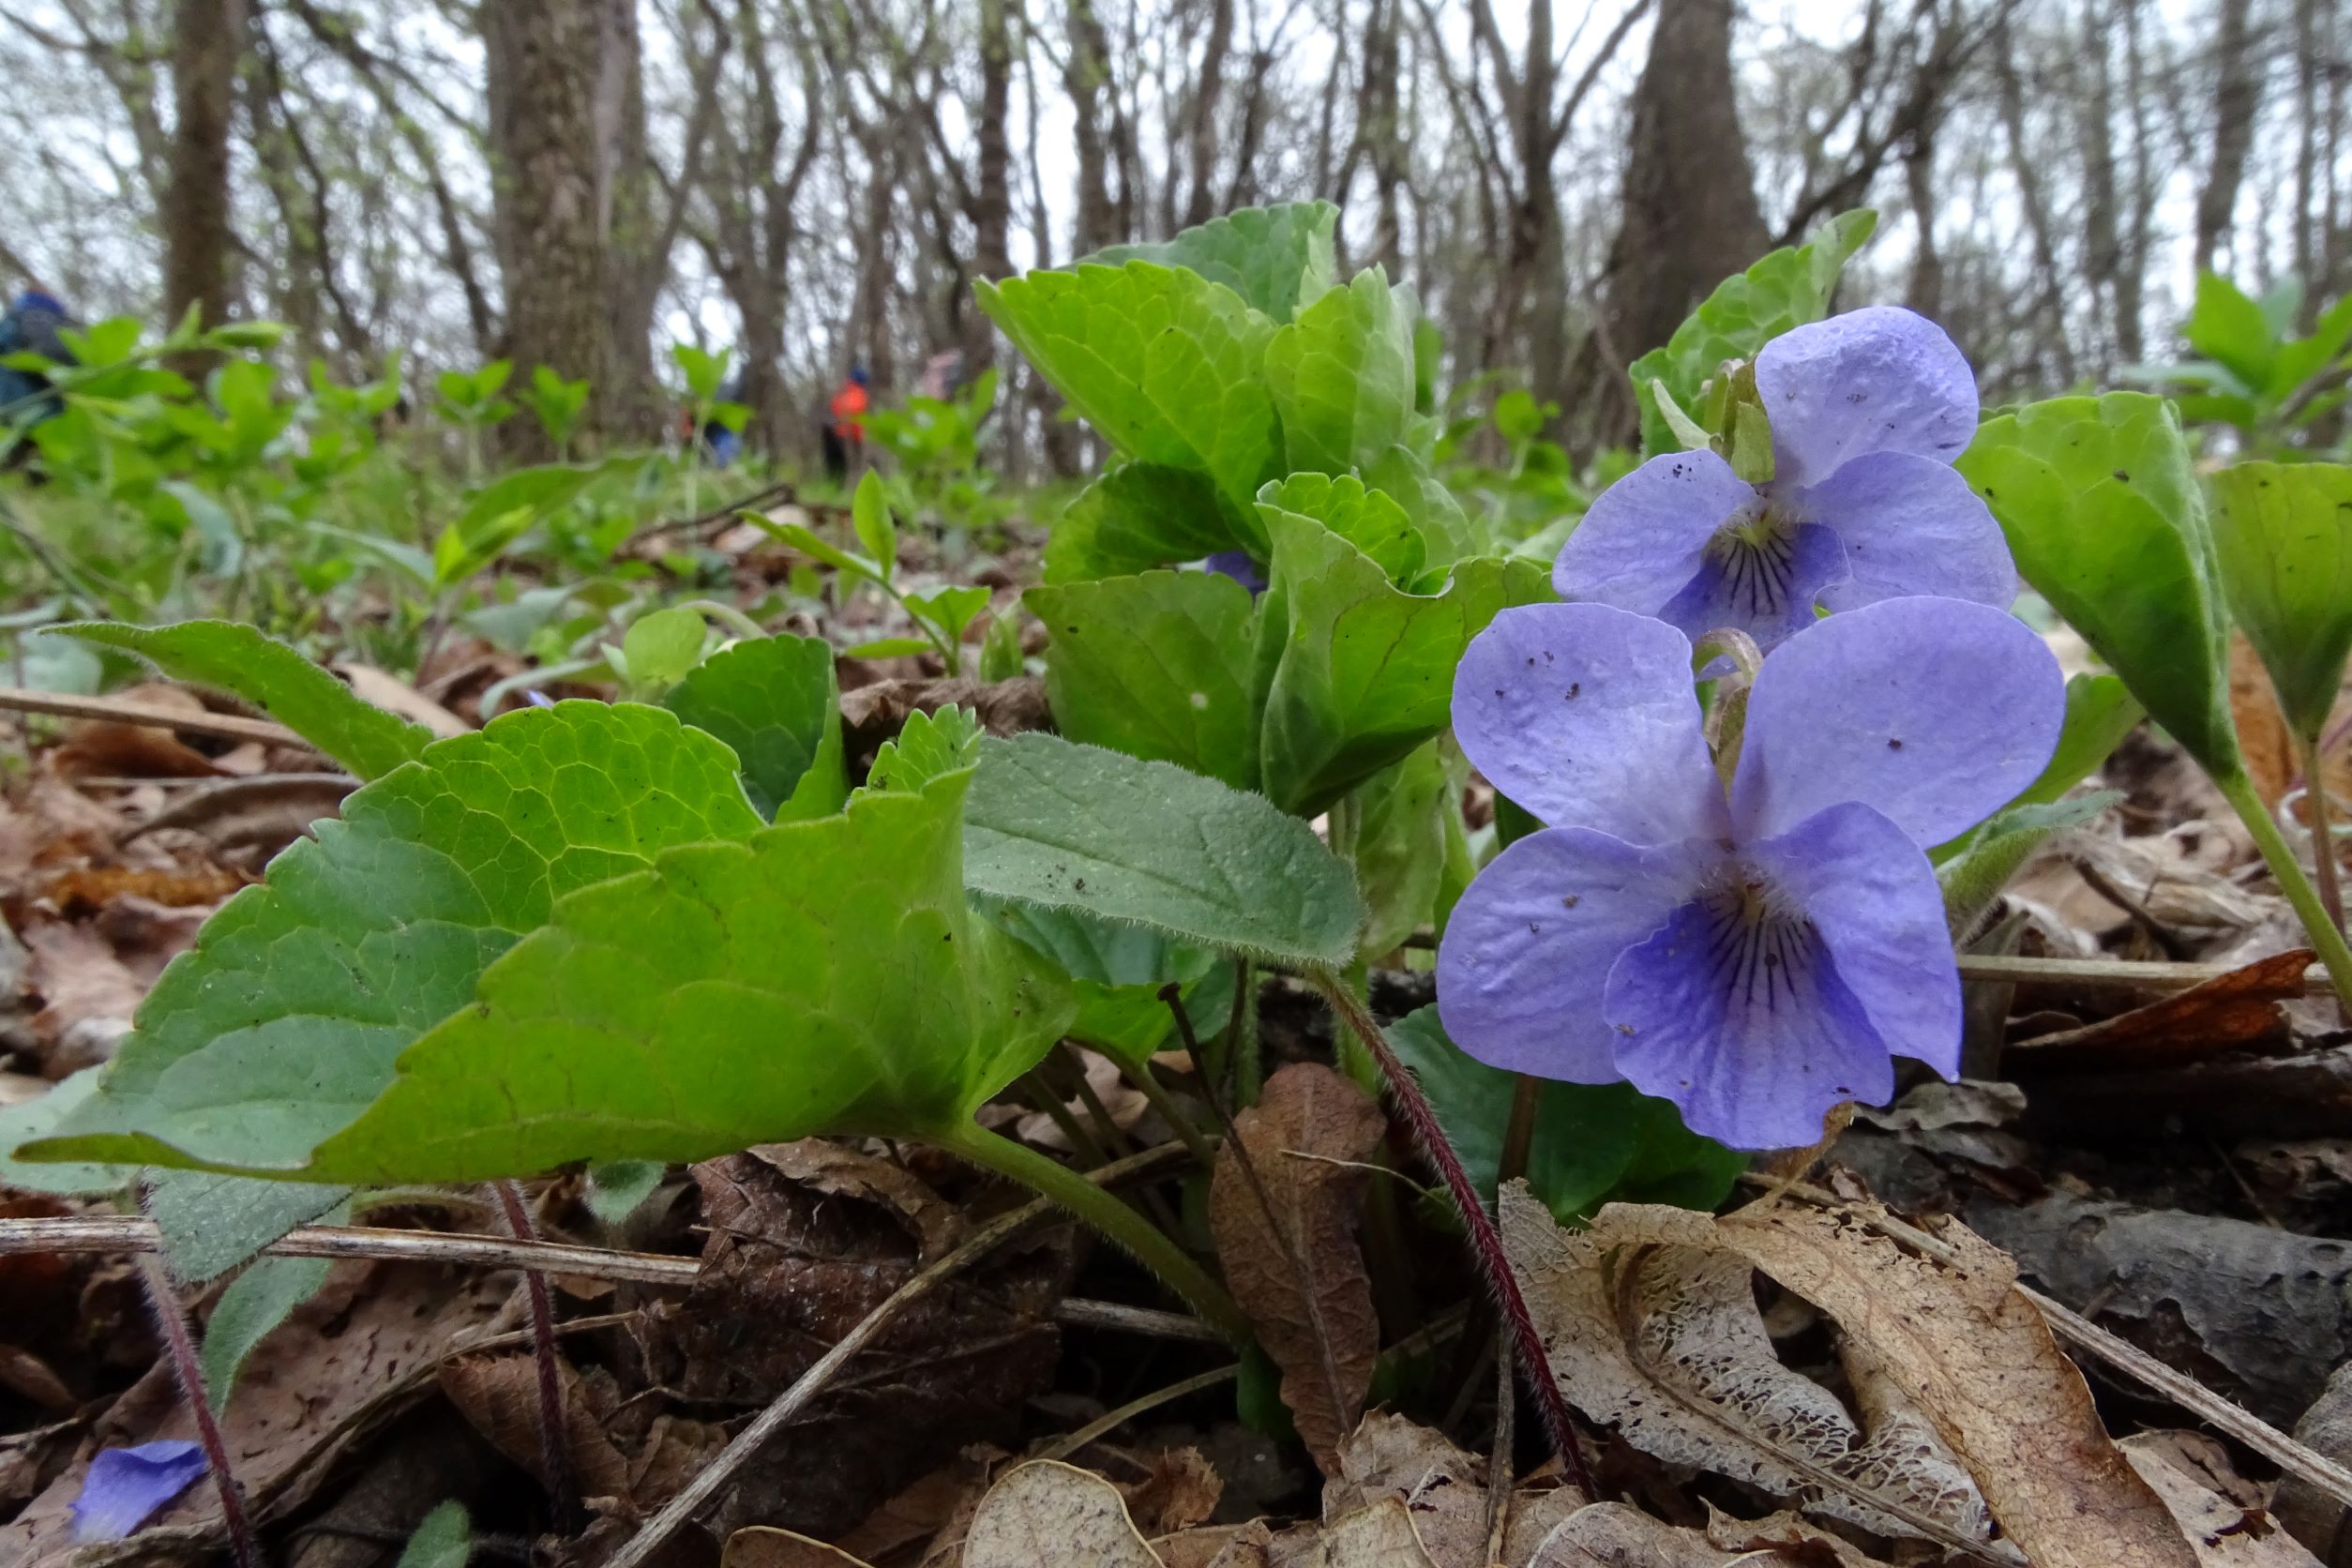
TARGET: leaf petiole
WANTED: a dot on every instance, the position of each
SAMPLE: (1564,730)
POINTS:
(1151,1248)
(2326,937)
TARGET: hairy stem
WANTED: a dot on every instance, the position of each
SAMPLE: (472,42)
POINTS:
(1485,1241)
(1107,1213)
(555,1456)
(172,1322)
(2326,937)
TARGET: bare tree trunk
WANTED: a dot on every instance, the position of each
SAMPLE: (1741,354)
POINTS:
(1085,72)
(624,215)
(2237,96)
(206,34)
(543,59)
(1207,92)
(2103,237)
(991,208)
(1925,292)
(1691,217)
(2049,296)
(1382,133)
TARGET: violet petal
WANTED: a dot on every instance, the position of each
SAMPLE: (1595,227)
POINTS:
(1746,1024)
(1874,899)
(127,1486)
(1910,526)
(1646,536)
(1528,947)
(1935,712)
(1586,716)
(1881,379)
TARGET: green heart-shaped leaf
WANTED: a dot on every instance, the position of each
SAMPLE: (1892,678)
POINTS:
(2283,534)
(773,700)
(821,977)
(1342,376)
(1277,258)
(283,1024)
(1156,666)
(1057,825)
(1359,670)
(272,676)
(2103,516)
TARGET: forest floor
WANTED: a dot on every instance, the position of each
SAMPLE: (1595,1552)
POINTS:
(2175,1166)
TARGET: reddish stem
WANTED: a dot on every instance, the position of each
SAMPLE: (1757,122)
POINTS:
(181,1347)
(1485,1241)
(554,1457)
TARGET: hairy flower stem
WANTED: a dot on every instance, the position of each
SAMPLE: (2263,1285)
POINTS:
(1486,1240)
(2326,937)
(555,1456)
(172,1322)
(1151,1248)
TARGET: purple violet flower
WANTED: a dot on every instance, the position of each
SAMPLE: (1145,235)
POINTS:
(127,1486)
(1869,411)
(1756,958)
(1237,564)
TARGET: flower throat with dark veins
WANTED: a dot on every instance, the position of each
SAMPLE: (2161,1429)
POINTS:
(1755,554)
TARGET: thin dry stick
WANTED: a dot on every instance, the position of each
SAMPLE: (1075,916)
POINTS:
(172,1321)
(130,1234)
(1113,1420)
(555,1455)
(101,1234)
(226,726)
(812,1382)
(2189,1395)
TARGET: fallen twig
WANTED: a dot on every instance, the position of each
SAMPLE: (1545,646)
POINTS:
(122,711)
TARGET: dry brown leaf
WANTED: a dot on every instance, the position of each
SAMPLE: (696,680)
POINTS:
(1287,1240)
(762,1546)
(1048,1515)
(2233,1012)
(1662,1337)
(1179,1489)
(111,746)
(2262,733)
(2221,1512)
(174,887)
(395,696)
(87,996)
(838,1168)
(364,1331)
(499,1396)
(918,1511)
(1611,1536)
(1442,1487)
(1381,1536)
(1652,1316)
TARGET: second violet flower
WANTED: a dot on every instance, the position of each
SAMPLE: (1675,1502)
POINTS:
(1759,955)
(1869,411)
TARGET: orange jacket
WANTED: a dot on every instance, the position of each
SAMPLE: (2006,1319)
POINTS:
(848,413)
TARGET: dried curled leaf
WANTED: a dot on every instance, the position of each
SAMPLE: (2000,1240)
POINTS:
(1969,1413)
(1298,1270)
(1047,1514)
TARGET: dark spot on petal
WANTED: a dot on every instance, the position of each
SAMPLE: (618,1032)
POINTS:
(1573,687)
(1894,744)
(1533,929)
(1498,691)
(1570,901)
(1627,1029)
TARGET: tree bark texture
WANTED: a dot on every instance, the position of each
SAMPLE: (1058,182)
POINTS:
(207,38)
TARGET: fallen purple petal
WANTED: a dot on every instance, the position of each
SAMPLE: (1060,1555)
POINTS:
(127,1486)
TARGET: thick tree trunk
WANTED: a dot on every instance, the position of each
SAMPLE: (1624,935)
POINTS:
(204,49)
(991,206)
(2237,96)
(1085,75)
(1207,92)
(1691,218)
(625,212)
(543,59)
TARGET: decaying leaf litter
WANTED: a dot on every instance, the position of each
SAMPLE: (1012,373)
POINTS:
(869,1344)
